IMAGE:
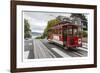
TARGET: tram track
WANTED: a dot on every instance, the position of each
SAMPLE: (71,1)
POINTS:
(48,46)
(71,52)
(79,51)
(41,48)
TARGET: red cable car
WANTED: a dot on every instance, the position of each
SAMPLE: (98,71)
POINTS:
(66,34)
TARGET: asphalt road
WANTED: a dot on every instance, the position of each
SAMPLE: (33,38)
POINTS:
(42,48)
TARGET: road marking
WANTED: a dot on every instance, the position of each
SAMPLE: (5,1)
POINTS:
(77,53)
(35,50)
(82,48)
(26,53)
(60,52)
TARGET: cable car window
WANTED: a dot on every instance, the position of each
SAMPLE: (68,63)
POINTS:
(69,31)
(75,33)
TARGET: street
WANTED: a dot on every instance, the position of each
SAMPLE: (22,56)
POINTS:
(42,48)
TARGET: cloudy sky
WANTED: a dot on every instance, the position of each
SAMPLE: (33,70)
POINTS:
(38,20)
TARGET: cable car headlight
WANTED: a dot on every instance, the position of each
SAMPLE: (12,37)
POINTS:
(79,41)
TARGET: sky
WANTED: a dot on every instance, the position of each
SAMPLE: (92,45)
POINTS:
(38,20)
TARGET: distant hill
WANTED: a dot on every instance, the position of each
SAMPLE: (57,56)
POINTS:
(36,33)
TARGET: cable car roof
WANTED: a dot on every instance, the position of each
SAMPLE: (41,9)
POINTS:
(65,24)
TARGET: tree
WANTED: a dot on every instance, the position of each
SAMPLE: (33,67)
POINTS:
(27,31)
(49,25)
(83,19)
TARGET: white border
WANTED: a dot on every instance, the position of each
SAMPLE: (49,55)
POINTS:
(56,61)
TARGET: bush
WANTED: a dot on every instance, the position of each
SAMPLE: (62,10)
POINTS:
(84,34)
